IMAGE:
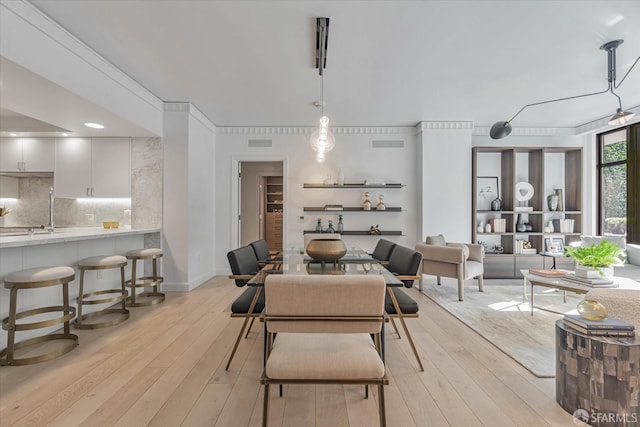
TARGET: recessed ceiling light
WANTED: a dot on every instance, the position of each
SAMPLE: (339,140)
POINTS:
(64,134)
(94,125)
(13,134)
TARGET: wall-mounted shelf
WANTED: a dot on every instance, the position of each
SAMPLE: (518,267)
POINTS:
(349,209)
(363,233)
(352,185)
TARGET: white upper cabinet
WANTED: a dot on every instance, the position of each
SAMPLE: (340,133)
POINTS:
(93,167)
(26,155)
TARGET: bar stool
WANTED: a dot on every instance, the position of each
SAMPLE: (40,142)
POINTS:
(33,278)
(102,263)
(153,296)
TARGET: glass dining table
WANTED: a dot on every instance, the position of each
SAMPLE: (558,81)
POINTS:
(355,261)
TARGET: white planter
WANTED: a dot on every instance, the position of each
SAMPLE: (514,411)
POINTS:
(592,273)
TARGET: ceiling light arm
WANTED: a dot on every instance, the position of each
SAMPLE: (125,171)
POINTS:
(616,86)
(562,99)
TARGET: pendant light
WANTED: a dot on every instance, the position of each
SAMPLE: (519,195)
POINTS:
(322,140)
(503,128)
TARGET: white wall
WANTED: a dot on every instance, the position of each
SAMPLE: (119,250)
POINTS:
(189,213)
(353,153)
(446,182)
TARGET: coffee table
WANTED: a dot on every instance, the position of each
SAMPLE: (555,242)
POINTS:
(565,285)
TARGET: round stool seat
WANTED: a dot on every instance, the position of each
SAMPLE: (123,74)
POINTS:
(153,281)
(109,261)
(145,253)
(28,280)
(104,296)
(39,276)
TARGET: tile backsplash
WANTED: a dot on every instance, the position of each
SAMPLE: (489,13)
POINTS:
(32,208)
(142,210)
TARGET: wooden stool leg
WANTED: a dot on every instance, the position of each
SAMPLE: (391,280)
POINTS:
(133,282)
(123,287)
(80,300)
(11,335)
(65,303)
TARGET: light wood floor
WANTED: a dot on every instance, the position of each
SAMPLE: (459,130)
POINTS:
(165,367)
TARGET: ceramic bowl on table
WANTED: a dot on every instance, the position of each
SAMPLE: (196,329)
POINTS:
(327,250)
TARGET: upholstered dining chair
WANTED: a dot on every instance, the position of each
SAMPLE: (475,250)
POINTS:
(403,263)
(319,331)
(461,261)
(382,251)
(264,255)
(250,303)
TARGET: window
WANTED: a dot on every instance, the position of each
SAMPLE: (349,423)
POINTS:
(618,187)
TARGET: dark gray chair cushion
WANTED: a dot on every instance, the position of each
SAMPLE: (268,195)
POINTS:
(243,261)
(404,262)
(407,304)
(261,249)
(243,302)
(383,249)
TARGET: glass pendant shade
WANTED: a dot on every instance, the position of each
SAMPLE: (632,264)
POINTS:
(322,140)
(621,117)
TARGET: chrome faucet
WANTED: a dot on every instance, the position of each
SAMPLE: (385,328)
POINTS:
(49,226)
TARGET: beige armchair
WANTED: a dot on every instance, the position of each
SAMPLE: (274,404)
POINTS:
(457,260)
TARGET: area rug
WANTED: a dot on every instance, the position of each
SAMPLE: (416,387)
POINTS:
(502,315)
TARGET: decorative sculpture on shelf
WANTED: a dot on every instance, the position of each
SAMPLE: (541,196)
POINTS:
(375,229)
(366,205)
(380,206)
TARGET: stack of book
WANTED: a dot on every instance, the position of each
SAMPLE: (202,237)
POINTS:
(498,225)
(595,283)
(549,273)
(563,225)
(609,327)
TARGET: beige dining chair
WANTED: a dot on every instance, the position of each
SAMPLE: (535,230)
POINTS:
(319,331)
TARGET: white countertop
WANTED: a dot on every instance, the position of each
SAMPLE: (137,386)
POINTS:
(61,235)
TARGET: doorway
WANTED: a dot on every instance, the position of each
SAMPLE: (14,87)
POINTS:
(261,203)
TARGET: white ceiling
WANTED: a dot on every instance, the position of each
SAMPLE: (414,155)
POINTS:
(389,63)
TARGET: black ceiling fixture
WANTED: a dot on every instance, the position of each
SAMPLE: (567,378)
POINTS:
(502,129)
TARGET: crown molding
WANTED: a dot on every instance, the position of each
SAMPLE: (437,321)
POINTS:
(192,110)
(308,130)
(532,131)
(464,125)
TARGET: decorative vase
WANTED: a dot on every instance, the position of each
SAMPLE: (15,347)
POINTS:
(366,205)
(326,249)
(496,204)
(550,226)
(319,226)
(552,202)
(560,204)
(520,225)
(340,224)
(330,228)
(380,206)
(592,310)
(487,228)
(340,177)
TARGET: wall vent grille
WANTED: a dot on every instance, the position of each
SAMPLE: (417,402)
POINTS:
(387,144)
(260,143)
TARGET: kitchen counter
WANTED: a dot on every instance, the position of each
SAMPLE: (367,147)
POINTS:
(61,235)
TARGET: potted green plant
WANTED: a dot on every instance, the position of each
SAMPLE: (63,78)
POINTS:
(596,261)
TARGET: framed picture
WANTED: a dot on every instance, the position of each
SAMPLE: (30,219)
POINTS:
(487,191)
(554,245)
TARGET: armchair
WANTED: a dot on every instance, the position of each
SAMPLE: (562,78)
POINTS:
(456,260)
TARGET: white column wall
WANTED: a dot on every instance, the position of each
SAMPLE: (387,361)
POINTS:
(189,218)
(446,181)
(201,216)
